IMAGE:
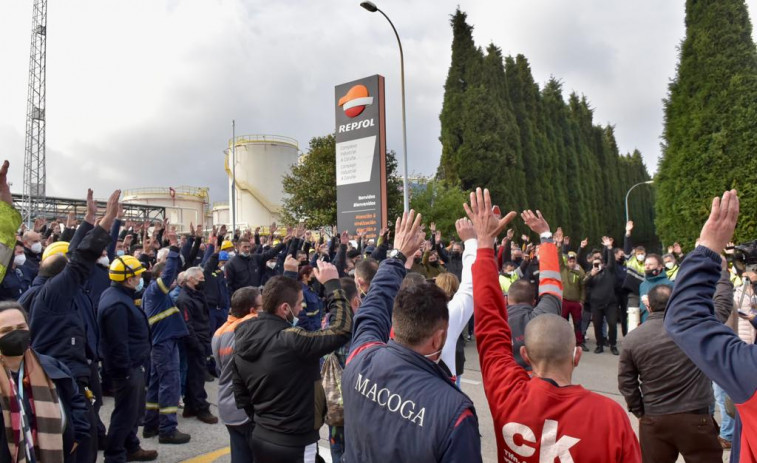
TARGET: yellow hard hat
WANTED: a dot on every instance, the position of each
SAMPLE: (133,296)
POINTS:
(226,245)
(59,247)
(125,267)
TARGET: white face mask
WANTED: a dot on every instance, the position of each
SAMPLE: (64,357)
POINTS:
(19,260)
(294,319)
(232,254)
(640,257)
(271,265)
(36,247)
(140,285)
(438,359)
(669,265)
(120,253)
(244,254)
(104,261)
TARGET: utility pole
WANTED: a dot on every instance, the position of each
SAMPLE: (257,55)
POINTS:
(34,154)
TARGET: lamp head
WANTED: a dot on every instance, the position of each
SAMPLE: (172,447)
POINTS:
(649,182)
(370,6)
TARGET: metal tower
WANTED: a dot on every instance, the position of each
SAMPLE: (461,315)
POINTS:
(34,155)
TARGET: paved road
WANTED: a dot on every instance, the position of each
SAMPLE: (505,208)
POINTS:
(597,372)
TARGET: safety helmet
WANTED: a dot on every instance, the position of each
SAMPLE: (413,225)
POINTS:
(223,255)
(125,267)
(59,247)
(226,245)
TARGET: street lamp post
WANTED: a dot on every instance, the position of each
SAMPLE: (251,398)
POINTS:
(648,182)
(370,6)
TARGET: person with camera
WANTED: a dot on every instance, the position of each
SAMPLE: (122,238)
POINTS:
(600,285)
(712,346)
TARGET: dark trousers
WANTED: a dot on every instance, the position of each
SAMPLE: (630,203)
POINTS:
(622,311)
(164,388)
(96,387)
(573,309)
(268,452)
(240,441)
(89,453)
(610,313)
(336,441)
(196,399)
(129,395)
(694,436)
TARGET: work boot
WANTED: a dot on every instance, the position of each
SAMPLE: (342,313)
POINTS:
(207,417)
(148,432)
(598,350)
(188,413)
(142,455)
(176,437)
(614,350)
(584,348)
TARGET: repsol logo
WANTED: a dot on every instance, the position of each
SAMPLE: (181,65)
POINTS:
(365,123)
(551,449)
(392,402)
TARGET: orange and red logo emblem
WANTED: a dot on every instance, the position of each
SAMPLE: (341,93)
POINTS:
(355,101)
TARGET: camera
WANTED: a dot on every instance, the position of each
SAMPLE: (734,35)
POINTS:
(744,257)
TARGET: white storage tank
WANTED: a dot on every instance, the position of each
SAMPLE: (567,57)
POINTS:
(184,204)
(261,162)
(220,214)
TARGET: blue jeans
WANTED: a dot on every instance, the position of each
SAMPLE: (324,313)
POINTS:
(240,442)
(727,423)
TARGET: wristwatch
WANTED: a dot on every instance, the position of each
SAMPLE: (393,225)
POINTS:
(396,254)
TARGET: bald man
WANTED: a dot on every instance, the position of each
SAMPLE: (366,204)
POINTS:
(544,417)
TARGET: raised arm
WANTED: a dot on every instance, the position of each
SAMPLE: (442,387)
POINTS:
(10,220)
(374,320)
(689,318)
(550,281)
(498,366)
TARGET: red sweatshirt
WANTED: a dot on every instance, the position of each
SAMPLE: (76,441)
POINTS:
(536,421)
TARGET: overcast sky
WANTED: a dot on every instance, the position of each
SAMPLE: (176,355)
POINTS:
(142,93)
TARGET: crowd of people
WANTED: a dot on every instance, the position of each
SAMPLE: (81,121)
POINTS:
(367,336)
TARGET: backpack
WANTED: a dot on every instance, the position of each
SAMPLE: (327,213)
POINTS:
(331,378)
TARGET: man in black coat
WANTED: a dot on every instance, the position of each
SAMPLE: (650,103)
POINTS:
(246,269)
(194,307)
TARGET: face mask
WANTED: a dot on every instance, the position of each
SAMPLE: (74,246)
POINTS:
(104,261)
(244,254)
(271,265)
(199,286)
(232,254)
(456,254)
(36,247)
(640,257)
(19,260)
(669,265)
(428,356)
(622,260)
(15,343)
(120,253)
(653,273)
(140,285)
(221,267)
(294,319)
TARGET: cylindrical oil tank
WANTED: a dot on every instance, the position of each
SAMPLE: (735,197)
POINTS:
(258,163)
(220,214)
(184,205)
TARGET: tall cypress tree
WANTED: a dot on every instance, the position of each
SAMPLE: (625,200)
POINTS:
(710,135)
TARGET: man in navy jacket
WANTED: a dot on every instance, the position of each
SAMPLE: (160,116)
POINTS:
(712,346)
(399,403)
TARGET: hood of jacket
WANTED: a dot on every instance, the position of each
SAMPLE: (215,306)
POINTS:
(253,335)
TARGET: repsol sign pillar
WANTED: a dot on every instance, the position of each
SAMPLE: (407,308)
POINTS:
(361,156)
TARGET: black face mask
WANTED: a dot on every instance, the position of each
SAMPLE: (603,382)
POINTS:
(199,286)
(653,273)
(15,343)
(456,254)
(622,260)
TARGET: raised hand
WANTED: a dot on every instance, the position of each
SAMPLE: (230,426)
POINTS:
(291,264)
(325,272)
(584,242)
(607,241)
(487,226)
(535,222)
(465,229)
(5,190)
(70,220)
(718,230)
(89,217)
(171,237)
(510,234)
(629,227)
(408,235)
(344,238)
(566,240)
(432,227)
(558,236)
(111,210)
(273,228)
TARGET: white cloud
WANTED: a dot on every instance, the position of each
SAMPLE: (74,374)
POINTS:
(142,93)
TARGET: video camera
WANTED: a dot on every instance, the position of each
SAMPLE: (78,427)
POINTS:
(744,257)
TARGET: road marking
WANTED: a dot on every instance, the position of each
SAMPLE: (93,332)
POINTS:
(209,457)
(470,381)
